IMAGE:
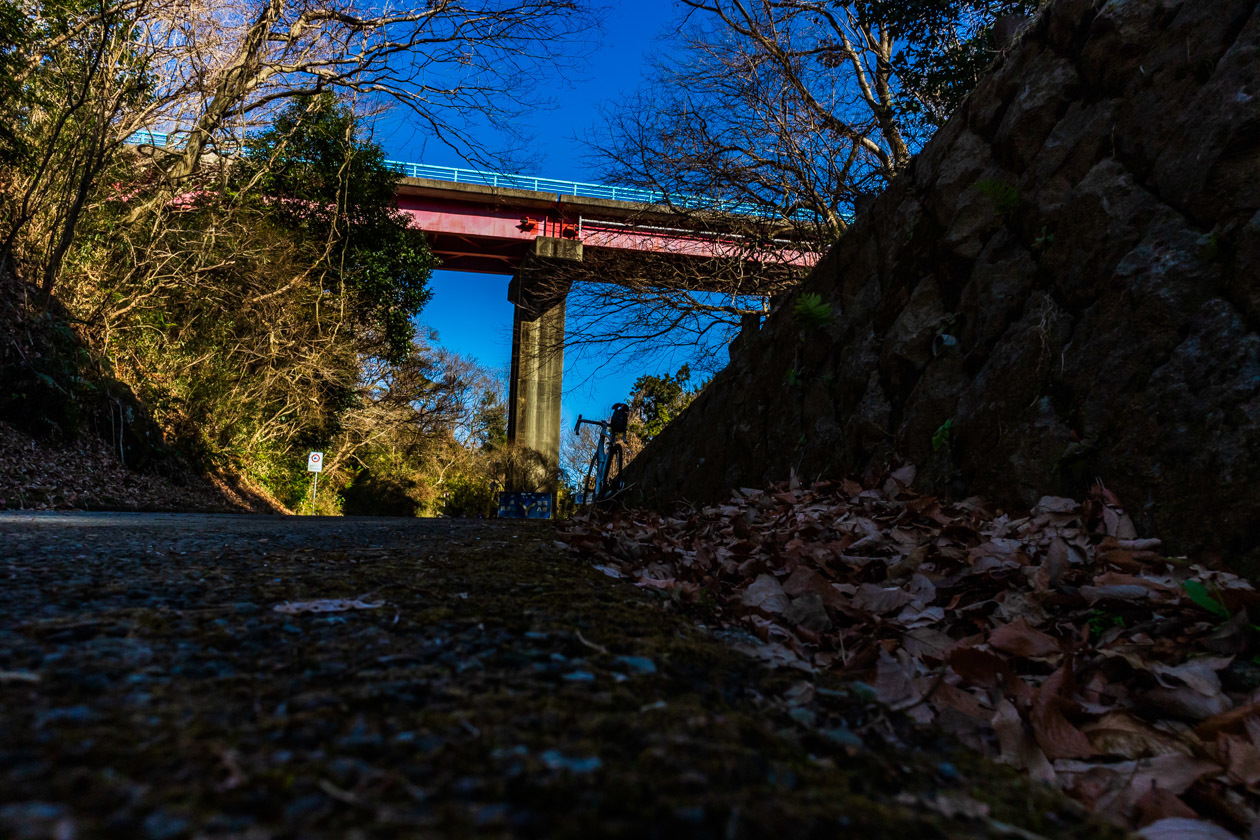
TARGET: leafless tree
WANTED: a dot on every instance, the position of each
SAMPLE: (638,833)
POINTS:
(626,306)
(785,108)
(790,114)
(210,70)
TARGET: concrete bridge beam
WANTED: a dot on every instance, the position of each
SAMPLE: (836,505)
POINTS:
(538,290)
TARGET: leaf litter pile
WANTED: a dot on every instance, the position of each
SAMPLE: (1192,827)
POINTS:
(1058,642)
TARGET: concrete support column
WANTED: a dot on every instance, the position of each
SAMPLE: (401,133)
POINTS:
(537,380)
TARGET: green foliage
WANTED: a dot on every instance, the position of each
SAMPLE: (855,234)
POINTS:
(812,312)
(469,494)
(944,47)
(15,33)
(941,437)
(490,419)
(1005,197)
(1200,595)
(1099,622)
(271,316)
(657,400)
(326,184)
(373,494)
(793,377)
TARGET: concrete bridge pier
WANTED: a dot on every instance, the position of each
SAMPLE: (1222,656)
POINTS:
(538,290)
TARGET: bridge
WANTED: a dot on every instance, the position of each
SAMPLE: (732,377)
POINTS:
(535,231)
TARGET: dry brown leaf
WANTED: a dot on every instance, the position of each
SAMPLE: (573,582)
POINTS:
(1017,747)
(1240,757)
(326,605)
(927,643)
(1020,639)
(1200,674)
(1118,524)
(1184,703)
(1055,735)
(765,594)
(803,581)
(1232,721)
(1051,570)
(1122,735)
(952,697)
(1159,804)
(1055,504)
(992,596)
(893,685)
(1117,592)
(1180,828)
(1155,585)
(954,805)
(775,655)
(978,667)
(879,599)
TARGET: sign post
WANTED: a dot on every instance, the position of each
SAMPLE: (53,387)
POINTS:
(315,464)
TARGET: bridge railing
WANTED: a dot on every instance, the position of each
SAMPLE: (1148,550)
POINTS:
(522,182)
(151,138)
(554,186)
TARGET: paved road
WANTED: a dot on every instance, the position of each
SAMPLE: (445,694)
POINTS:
(490,685)
(182,533)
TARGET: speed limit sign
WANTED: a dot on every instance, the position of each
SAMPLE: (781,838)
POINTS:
(315,462)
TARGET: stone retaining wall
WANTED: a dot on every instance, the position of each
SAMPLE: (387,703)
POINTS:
(1062,288)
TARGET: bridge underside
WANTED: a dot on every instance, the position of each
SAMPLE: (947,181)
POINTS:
(546,243)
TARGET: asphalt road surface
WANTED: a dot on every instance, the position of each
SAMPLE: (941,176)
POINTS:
(178,676)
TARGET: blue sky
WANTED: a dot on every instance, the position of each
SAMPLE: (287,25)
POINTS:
(470,311)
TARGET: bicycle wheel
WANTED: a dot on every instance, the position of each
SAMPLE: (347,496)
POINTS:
(588,484)
(611,482)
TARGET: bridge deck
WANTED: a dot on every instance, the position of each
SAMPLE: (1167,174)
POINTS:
(488,221)
(486,228)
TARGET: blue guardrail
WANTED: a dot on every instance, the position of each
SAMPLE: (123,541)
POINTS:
(553,186)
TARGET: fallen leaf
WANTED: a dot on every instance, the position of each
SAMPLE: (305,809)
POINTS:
(1051,570)
(1055,735)
(809,612)
(1159,804)
(893,686)
(1184,703)
(1017,747)
(765,594)
(326,605)
(1179,828)
(1115,592)
(1200,674)
(1231,721)
(1122,735)
(1240,757)
(1019,639)
(879,600)
(19,676)
(1055,504)
(978,667)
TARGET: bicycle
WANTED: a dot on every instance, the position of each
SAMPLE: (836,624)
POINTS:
(609,458)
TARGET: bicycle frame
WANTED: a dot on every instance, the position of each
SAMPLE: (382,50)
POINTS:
(608,450)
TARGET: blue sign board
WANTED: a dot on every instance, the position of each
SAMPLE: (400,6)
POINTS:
(525,505)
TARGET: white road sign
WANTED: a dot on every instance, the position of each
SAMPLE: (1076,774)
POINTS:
(315,462)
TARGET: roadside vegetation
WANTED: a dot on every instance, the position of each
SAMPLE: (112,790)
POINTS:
(246,293)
